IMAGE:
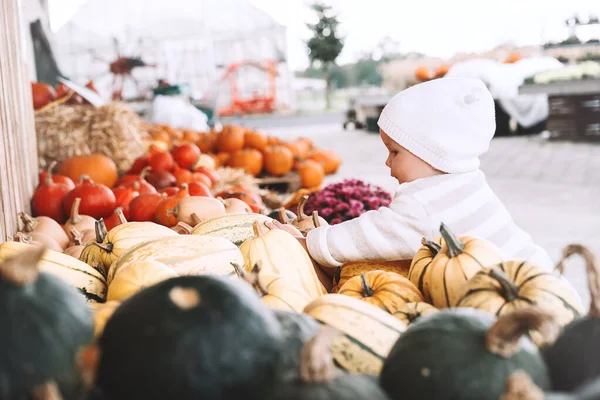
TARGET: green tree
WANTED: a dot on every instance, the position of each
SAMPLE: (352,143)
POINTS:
(325,45)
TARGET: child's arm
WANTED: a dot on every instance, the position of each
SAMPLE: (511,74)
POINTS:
(387,234)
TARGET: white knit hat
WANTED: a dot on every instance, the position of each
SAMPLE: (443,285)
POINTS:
(447,122)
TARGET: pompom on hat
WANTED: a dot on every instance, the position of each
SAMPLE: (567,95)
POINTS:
(446,122)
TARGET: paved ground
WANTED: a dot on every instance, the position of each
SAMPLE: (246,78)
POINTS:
(552,189)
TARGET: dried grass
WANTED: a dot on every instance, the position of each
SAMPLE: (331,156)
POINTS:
(114,130)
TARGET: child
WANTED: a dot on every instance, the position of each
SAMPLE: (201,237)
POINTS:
(434,133)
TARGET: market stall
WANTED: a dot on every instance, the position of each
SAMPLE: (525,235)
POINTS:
(136,263)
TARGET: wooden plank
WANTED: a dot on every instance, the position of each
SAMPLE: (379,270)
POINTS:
(572,87)
(18,149)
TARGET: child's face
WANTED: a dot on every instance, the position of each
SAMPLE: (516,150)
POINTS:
(404,165)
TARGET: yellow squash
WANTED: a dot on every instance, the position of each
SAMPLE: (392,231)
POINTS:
(275,291)
(101,253)
(78,274)
(136,277)
(368,332)
(277,252)
(352,269)
(186,254)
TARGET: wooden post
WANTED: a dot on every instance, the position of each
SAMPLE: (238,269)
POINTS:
(18,148)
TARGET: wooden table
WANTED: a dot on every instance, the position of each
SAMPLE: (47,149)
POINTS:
(574,108)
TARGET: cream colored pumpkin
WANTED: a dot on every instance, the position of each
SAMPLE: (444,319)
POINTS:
(76,273)
(279,253)
(186,254)
(136,277)
(120,239)
(236,228)
(191,208)
(102,313)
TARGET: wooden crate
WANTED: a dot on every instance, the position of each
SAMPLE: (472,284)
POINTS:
(574,117)
(18,149)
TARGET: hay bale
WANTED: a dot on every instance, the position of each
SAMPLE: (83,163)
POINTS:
(114,130)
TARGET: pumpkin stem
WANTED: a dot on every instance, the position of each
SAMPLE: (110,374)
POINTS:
(83,178)
(301,216)
(136,186)
(433,247)
(282,215)
(502,338)
(145,171)
(592,270)
(21,269)
(120,215)
(367,290)
(77,236)
(75,217)
(519,386)
(196,219)
(182,228)
(87,362)
(29,223)
(315,217)
(455,246)
(316,357)
(258,232)
(22,238)
(101,231)
(252,278)
(510,291)
(45,391)
(49,181)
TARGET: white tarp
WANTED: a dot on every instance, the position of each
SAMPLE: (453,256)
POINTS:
(190,41)
(503,81)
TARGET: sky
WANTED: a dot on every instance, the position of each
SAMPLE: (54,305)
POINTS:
(435,27)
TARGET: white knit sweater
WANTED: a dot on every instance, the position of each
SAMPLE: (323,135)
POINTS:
(463,201)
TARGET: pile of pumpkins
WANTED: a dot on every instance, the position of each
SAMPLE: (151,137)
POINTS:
(255,152)
(222,306)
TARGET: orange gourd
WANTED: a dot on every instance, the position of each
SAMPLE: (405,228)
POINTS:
(164,213)
(311,173)
(423,73)
(330,160)
(251,160)
(255,140)
(207,142)
(279,160)
(231,138)
(100,168)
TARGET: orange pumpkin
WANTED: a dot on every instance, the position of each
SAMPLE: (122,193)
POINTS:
(271,140)
(207,142)
(231,138)
(245,194)
(164,214)
(161,136)
(255,140)
(513,57)
(441,71)
(279,160)
(100,168)
(386,290)
(190,136)
(251,160)
(328,159)
(298,149)
(423,73)
(311,173)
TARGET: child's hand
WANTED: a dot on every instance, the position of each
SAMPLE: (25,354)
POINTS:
(291,229)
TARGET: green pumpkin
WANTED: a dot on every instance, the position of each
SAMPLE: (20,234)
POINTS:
(569,358)
(191,337)
(44,323)
(465,354)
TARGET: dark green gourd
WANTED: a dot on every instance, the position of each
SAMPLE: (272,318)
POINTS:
(44,324)
(466,354)
(317,378)
(520,387)
(573,358)
(191,337)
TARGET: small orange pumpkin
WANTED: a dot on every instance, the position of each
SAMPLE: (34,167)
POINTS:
(255,140)
(386,290)
(164,213)
(330,160)
(231,139)
(251,160)
(311,173)
(207,142)
(423,73)
(98,167)
(279,160)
